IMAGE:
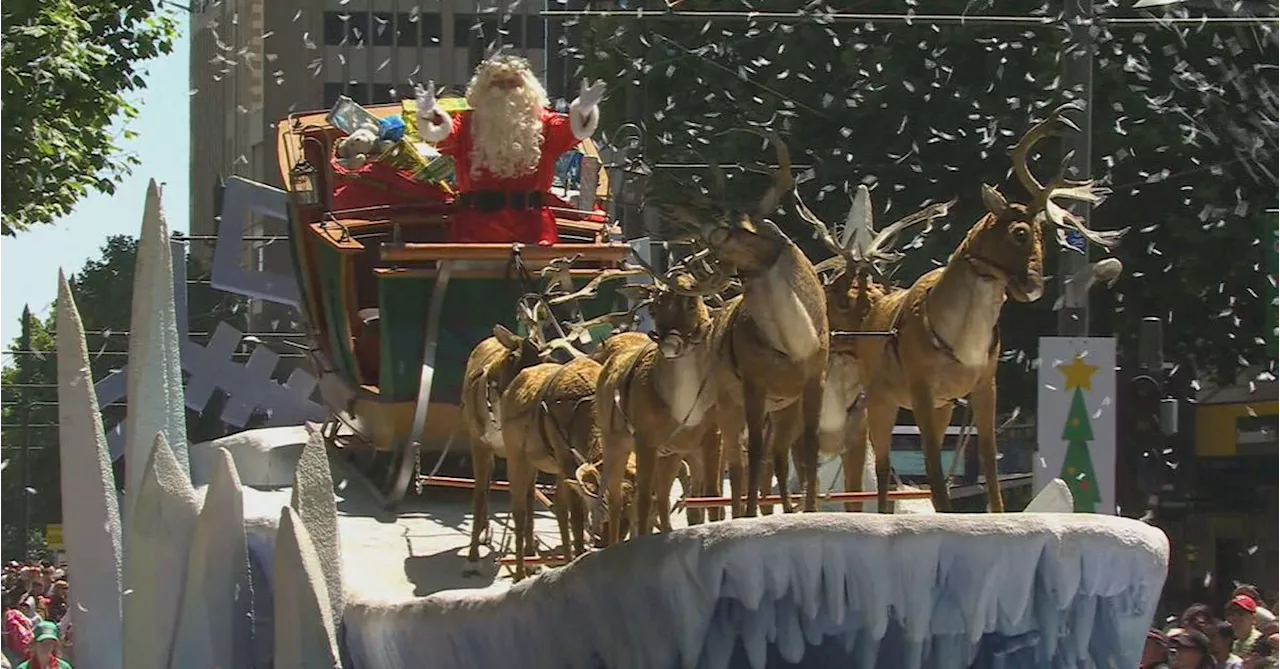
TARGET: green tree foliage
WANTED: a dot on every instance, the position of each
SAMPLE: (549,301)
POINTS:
(103,292)
(70,68)
(1183,132)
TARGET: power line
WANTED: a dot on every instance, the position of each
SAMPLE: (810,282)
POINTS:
(904,19)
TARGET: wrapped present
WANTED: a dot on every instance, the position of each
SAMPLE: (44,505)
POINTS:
(426,166)
(439,166)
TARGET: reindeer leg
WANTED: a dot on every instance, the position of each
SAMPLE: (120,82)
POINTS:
(520,506)
(482,468)
(531,543)
(785,431)
(854,456)
(697,484)
(732,425)
(614,468)
(712,472)
(560,506)
(753,405)
(933,423)
(983,401)
(880,420)
(667,471)
(811,413)
(766,479)
(646,466)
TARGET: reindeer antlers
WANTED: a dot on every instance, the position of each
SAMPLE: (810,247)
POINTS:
(592,289)
(1059,186)
(860,245)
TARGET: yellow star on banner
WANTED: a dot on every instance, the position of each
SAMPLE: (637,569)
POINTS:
(1078,374)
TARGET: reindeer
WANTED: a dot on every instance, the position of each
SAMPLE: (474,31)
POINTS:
(587,482)
(946,343)
(655,400)
(772,341)
(860,264)
(547,414)
(495,362)
(491,367)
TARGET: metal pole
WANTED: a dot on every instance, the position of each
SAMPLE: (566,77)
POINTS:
(24,469)
(1077,76)
(1151,346)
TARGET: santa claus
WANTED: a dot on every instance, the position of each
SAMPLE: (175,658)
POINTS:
(505,150)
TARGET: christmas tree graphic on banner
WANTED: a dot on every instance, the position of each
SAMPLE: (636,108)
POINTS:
(1077,465)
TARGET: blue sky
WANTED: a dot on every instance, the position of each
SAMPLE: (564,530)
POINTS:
(29,263)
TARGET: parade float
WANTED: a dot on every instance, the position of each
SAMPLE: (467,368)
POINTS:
(239,570)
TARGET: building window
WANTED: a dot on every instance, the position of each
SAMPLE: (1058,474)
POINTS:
(432,28)
(382,29)
(468,26)
(1257,435)
(331,93)
(527,32)
(364,94)
(346,28)
(382,94)
(335,28)
(407,29)
(359,92)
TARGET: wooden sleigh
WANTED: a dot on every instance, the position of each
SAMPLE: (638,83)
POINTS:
(392,310)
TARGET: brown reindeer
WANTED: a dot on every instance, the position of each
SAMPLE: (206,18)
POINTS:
(861,260)
(655,400)
(491,367)
(946,344)
(771,342)
(494,363)
(587,481)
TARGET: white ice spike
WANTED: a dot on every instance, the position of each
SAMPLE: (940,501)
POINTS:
(154,376)
(91,517)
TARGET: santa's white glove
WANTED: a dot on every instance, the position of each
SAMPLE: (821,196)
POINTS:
(426,96)
(590,95)
(434,123)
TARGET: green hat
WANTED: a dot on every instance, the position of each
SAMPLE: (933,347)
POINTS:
(46,630)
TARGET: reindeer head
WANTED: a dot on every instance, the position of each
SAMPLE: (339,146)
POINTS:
(681,318)
(521,352)
(742,237)
(1008,242)
(587,483)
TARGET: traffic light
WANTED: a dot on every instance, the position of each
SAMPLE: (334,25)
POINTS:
(1141,469)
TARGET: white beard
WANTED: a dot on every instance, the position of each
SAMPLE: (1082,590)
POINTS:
(506,133)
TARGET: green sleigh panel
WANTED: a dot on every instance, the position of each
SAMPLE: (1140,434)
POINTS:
(333,293)
(471,308)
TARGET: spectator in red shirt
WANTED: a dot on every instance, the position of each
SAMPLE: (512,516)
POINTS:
(17,626)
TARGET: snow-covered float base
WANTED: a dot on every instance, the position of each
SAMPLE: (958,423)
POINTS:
(856,590)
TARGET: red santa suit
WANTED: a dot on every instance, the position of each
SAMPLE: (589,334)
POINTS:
(496,209)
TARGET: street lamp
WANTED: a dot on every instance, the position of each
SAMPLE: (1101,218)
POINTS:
(629,173)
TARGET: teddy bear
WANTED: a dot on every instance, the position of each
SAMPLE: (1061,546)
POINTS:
(355,149)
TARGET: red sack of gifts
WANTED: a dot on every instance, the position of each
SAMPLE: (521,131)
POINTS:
(376,184)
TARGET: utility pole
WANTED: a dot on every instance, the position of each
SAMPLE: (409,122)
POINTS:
(1077,77)
(24,452)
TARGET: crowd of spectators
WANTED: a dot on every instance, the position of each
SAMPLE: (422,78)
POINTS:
(1243,637)
(37,627)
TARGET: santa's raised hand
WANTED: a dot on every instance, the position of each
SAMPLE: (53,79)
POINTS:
(590,95)
(434,123)
(584,113)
